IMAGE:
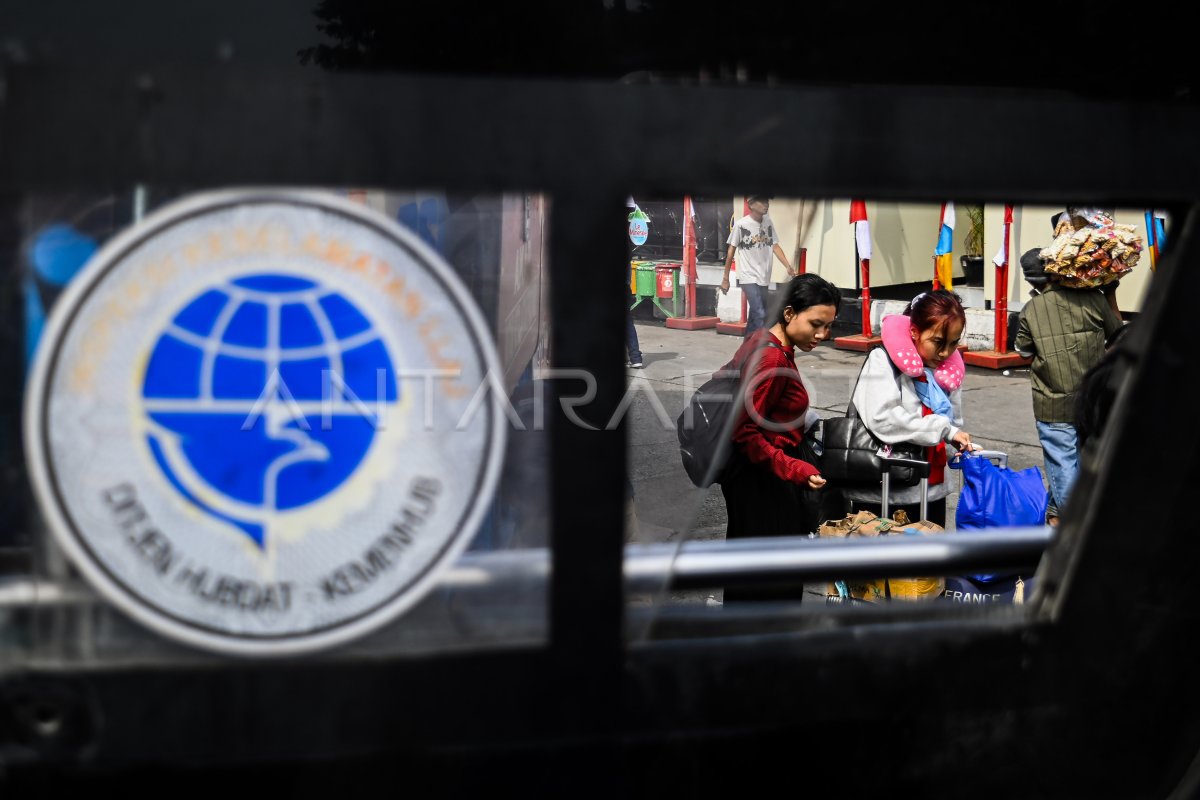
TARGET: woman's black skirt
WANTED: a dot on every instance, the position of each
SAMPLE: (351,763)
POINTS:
(758,503)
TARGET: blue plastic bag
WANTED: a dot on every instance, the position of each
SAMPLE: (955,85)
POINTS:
(994,498)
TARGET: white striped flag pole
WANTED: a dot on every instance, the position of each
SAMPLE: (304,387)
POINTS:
(689,257)
(862,241)
(1001,261)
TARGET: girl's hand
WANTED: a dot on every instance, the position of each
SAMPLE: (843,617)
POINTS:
(962,440)
(815,481)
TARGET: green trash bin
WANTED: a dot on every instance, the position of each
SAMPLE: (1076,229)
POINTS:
(641,282)
(647,284)
(643,278)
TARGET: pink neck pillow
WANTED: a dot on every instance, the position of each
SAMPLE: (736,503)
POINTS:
(903,352)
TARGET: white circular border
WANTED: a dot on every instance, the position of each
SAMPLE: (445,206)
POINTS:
(57,325)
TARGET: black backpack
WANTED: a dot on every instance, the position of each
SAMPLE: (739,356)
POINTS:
(705,427)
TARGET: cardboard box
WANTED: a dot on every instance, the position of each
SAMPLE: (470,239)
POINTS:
(864,523)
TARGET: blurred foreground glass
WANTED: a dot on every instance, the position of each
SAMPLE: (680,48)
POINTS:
(495,245)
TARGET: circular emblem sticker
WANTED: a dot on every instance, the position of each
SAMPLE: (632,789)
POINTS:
(261,422)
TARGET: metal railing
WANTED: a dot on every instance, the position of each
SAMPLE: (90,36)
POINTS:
(702,564)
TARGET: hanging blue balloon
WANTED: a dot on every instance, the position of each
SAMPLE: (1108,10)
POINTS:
(59,252)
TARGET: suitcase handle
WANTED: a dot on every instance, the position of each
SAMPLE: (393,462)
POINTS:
(921,468)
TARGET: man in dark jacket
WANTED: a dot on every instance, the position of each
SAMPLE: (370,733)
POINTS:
(1063,330)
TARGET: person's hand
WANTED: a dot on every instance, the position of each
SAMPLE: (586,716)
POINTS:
(725,286)
(791,273)
(815,481)
(962,440)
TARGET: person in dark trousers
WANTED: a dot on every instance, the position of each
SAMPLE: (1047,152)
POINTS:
(1063,330)
(633,352)
(766,477)
(753,241)
(632,349)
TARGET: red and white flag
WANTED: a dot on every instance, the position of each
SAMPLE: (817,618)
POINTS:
(862,228)
(1002,254)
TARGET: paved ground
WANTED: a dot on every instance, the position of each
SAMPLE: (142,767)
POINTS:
(998,411)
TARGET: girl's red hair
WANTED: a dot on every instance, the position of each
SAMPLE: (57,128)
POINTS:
(935,309)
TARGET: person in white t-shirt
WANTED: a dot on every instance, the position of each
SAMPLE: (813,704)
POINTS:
(752,241)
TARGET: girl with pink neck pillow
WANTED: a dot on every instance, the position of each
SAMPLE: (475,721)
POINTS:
(910,390)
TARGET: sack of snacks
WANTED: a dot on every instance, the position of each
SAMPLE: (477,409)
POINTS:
(1090,249)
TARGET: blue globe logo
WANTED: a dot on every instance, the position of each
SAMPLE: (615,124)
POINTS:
(256,395)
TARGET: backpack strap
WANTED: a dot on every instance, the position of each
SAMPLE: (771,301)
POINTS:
(770,342)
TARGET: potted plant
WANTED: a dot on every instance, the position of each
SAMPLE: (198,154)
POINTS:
(972,260)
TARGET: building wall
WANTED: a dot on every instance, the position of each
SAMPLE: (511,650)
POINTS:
(1031,228)
(903,236)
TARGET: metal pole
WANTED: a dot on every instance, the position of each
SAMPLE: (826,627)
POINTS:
(884,506)
(924,501)
(693,564)
(139,202)
(937,238)
(689,257)
(1001,334)
(866,296)
(745,303)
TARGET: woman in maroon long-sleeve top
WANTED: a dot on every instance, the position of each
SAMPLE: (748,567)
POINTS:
(763,490)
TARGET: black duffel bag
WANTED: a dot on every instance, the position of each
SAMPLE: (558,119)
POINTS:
(851,451)
(851,454)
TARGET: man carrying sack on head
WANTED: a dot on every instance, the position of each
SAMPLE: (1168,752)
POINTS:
(1063,330)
